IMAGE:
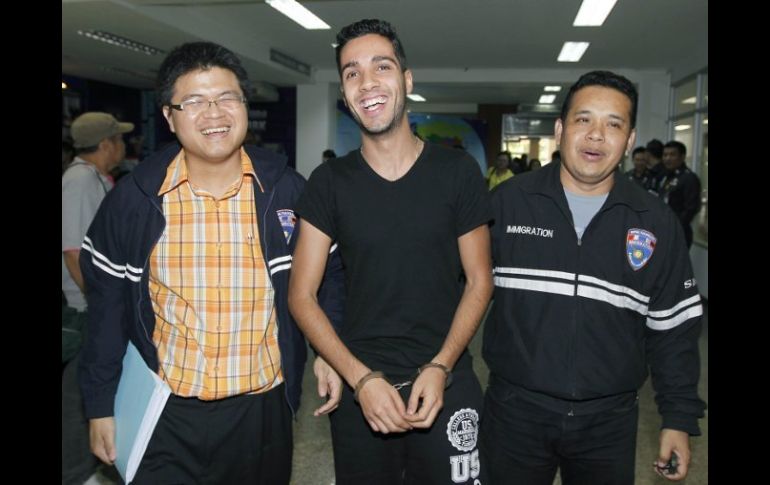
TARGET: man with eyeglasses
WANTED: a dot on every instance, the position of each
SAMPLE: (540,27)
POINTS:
(188,260)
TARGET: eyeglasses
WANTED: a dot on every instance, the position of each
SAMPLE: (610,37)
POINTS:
(196,106)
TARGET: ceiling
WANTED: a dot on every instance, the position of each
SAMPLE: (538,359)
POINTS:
(444,37)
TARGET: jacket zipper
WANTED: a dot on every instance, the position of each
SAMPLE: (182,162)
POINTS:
(266,257)
(146,272)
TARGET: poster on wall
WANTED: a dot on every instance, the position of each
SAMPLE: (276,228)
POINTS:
(448,130)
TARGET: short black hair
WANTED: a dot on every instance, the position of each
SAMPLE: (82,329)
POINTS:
(605,79)
(638,150)
(680,147)
(655,148)
(329,153)
(370,26)
(192,56)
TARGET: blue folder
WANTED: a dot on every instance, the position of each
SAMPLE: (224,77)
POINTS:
(140,400)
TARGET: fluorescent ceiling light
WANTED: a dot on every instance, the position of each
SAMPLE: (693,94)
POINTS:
(682,127)
(299,14)
(593,13)
(572,51)
(119,41)
(63,85)
(690,100)
(553,89)
(415,97)
(546,99)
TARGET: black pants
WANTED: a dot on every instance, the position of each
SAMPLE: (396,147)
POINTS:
(446,453)
(523,442)
(240,440)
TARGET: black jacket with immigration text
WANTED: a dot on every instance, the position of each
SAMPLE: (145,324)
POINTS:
(115,264)
(579,320)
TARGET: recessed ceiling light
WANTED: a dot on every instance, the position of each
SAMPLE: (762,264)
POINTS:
(546,99)
(553,89)
(572,51)
(63,85)
(682,127)
(119,41)
(299,14)
(416,97)
(593,13)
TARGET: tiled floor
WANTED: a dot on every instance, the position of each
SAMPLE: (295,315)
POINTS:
(314,465)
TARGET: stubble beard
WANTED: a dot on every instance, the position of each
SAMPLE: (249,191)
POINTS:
(398,115)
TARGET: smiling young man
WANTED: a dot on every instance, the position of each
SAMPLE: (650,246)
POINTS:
(593,289)
(188,260)
(410,218)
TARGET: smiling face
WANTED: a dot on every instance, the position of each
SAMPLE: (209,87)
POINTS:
(593,137)
(216,134)
(373,86)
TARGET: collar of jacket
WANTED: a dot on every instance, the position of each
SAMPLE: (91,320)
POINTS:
(150,173)
(546,181)
(678,171)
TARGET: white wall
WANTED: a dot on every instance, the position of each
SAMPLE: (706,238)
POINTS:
(652,113)
(316,124)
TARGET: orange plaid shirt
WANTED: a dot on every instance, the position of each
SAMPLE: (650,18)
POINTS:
(215,322)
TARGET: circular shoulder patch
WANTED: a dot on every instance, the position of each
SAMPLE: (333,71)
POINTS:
(463,429)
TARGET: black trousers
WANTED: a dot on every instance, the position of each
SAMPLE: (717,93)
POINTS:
(446,453)
(522,442)
(239,440)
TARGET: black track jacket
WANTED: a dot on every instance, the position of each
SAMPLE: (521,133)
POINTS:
(583,320)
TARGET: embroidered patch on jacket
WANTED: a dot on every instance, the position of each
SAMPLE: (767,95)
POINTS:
(288,220)
(640,245)
(463,429)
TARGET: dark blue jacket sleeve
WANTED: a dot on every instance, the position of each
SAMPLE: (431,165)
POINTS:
(331,294)
(673,329)
(104,273)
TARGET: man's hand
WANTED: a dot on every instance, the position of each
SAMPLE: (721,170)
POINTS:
(428,388)
(102,433)
(673,441)
(383,407)
(329,384)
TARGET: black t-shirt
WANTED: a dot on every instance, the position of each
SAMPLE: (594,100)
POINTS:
(398,242)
